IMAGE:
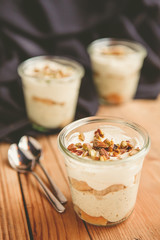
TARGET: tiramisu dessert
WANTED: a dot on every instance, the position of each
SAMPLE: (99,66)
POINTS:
(51,88)
(116,69)
(103,166)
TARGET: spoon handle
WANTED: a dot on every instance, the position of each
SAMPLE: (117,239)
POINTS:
(55,189)
(52,199)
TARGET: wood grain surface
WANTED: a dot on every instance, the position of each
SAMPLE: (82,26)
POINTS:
(13,223)
(25,212)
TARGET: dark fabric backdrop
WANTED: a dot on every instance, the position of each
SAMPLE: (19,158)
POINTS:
(66,27)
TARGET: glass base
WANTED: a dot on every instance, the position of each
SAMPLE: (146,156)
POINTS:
(45,130)
(39,128)
(108,224)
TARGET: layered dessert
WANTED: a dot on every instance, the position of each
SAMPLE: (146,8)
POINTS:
(116,69)
(51,88)
(104,194)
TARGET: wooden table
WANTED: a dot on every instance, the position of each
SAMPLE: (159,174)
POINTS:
(25,213)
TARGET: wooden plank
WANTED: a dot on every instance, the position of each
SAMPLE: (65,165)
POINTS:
(13,224)
(144,223)
(45,222)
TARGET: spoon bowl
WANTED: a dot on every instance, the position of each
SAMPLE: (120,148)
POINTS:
(23,161)
(31,144)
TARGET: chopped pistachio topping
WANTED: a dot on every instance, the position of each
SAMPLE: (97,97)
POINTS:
(101,150)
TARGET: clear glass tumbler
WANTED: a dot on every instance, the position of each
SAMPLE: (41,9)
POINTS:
(51,88)
(116,68)
(104,192)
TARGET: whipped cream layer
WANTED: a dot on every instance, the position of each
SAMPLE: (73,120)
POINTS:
(100,177)
(113,207)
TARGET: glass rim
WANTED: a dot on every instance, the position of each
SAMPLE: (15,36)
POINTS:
(65,131)
(76,65)
(137,47)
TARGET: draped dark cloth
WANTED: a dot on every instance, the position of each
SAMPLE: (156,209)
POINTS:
(65,27)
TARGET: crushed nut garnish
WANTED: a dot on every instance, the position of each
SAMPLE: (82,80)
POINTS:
(123,144)
(133,152)
(78,152)
(72,147)
(51,72)
(103,158)
(81,137)
(92,153)
(86,147)
(107,142)
(115,154)
(98,134)
(85,154)
(102,150)
(78,145)
(99,144)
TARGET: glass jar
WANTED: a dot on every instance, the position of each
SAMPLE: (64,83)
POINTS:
(116,68)
(104,192)
(51,88)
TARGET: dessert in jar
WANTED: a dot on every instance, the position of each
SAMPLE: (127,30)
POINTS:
(51,87)
(104,158)
(116,68)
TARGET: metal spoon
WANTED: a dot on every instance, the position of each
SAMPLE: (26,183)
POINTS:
(31,144)
(23,161)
